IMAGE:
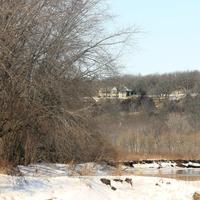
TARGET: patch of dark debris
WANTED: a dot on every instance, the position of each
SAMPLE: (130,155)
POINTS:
(108,182)
(178,163)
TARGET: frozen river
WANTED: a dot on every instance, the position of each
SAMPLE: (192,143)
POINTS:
(186,170)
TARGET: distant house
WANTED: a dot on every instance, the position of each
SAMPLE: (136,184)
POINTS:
(124,93)
(177,95)
(114,92)
(121,93)
(104,93)
(108,92)
(194,94)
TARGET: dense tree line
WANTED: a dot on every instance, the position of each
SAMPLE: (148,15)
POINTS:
(156,83)
(137,127)
(141,125)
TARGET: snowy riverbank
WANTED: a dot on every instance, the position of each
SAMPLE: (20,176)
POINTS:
(85,188)
(54,182)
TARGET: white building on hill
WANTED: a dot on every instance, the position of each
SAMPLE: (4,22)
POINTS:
(121,93)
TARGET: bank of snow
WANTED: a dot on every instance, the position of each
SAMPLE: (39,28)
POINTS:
(84,188)
(54,183)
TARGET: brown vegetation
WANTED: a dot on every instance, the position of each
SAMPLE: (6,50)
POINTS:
(52,55)
(50,52)
(155,133)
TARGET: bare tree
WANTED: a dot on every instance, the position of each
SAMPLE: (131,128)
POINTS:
(50,50)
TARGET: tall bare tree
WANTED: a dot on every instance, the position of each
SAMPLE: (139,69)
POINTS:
(49,52)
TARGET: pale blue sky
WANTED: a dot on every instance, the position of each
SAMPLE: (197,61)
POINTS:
(170,38)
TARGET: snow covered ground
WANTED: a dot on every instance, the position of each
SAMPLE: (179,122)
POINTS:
(55,182)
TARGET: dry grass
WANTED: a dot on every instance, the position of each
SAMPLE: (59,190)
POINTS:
(6,168)
(71,168)
(117,171)
(86,171)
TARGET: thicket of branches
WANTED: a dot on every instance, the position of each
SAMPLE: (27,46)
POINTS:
(50,51)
